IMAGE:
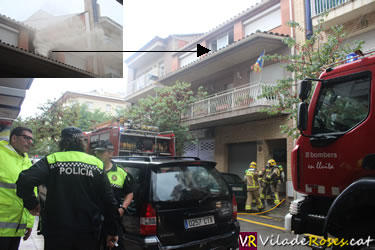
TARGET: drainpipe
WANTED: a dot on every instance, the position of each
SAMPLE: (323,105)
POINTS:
(95,11)
(308,20)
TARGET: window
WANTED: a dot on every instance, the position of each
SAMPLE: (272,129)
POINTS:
(8,35)
(343,103)
(265,21)
(108,108)
(161,69)
(187,59)
(222,41)
(213,45)
(90,105)
(181,183)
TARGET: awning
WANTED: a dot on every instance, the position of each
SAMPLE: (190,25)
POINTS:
(17,62)
(12,94)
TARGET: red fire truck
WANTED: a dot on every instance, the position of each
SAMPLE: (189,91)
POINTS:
(129,142)
(333,162)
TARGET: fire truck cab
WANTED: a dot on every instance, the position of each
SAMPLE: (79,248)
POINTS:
(333,162)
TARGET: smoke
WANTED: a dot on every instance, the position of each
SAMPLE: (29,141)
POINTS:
(71,34)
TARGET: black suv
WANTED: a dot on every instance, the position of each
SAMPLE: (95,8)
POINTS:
(179,203)
(238,187)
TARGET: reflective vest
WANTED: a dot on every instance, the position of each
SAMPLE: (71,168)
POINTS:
(252,179)
(70,159)
(117,177)
(266,176)
(14,218)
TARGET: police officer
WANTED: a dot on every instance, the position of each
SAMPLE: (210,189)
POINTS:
(252,183)
(15,221)
(78,193)
(120,180)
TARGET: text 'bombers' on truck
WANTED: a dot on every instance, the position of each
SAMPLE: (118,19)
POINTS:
(130,140)
(333,162)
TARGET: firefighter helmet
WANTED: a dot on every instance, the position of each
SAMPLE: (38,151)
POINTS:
(253,165)
(272,162)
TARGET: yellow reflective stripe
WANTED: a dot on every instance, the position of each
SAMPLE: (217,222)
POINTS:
(14,225)
(8,185)
(252,186)
(74,156)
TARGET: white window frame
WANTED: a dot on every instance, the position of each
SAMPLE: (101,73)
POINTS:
(11,31)
(221,43)
(187,58)
(259,16)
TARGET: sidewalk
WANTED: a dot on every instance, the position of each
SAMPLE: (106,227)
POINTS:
(35,242)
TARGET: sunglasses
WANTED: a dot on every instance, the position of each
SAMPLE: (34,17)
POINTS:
(27,138)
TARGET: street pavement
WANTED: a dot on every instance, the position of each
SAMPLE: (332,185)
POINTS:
(269,226)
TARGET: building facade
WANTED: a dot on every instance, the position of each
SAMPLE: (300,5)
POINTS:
(144,69)
(357,17)
(229,126)
(95,100)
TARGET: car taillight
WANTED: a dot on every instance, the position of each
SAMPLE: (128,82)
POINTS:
(148,220)
(234,205)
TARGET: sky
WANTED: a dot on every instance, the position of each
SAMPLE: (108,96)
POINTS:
(145,19)
(20,10)
(44,89)
(142,19)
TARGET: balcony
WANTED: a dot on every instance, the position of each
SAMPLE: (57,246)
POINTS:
(239,104)
(320,6)
(138,88)
(341,11)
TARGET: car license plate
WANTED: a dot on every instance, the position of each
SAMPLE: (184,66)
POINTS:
(237,188)
(199,222)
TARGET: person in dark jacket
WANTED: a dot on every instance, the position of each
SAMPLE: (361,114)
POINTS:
(78,195)
(120,180)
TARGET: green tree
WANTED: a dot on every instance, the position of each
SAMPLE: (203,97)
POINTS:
(165,110)
(323,48)
(53,118)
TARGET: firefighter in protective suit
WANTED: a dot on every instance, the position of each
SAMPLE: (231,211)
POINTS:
(252,184)
(275,180)
(265,180)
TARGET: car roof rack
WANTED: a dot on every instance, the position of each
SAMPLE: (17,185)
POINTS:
(153,158)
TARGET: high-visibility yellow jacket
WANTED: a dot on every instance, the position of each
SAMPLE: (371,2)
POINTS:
(14,218)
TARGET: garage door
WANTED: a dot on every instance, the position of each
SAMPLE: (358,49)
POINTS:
(204,149)
(239,157)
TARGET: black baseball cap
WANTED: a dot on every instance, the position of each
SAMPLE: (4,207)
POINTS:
(104,146)
(71,132)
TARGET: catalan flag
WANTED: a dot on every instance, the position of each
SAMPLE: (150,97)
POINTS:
(258,65)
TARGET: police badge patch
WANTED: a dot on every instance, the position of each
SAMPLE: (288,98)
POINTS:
(114,177)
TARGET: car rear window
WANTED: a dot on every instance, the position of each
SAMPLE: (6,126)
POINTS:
(181,183)
(232,179)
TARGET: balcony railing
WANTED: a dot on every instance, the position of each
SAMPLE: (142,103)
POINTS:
(143,81)
(234,99)
(321,6)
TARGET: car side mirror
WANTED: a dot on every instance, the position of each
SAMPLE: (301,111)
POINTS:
(302,116)
(304,89)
